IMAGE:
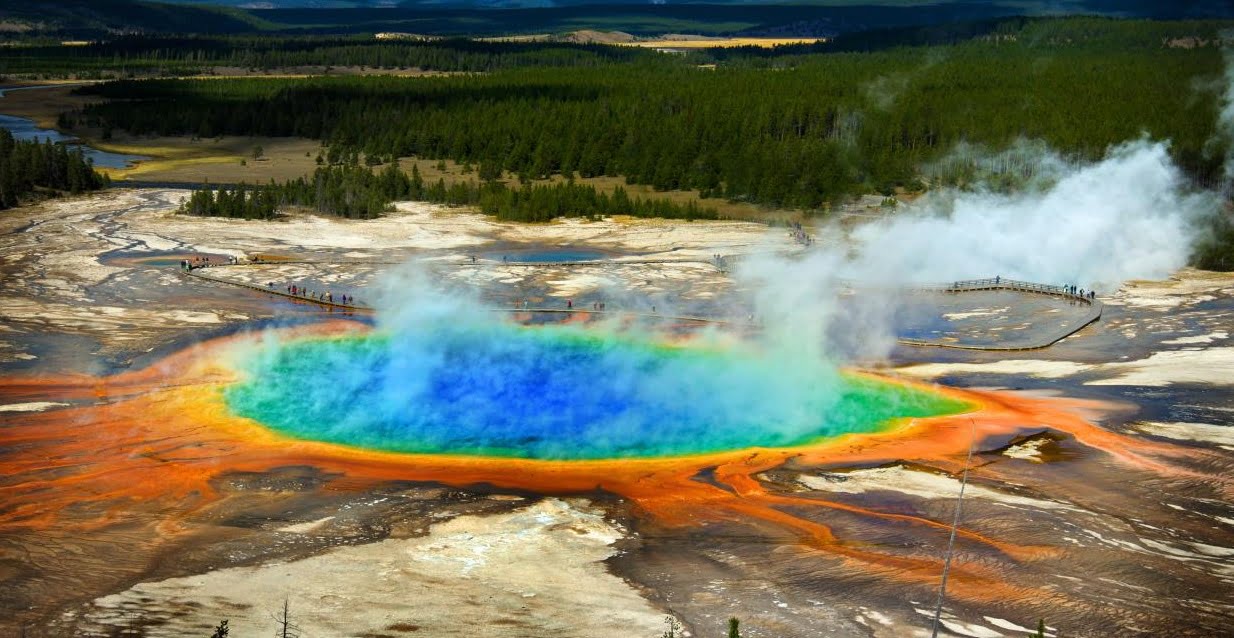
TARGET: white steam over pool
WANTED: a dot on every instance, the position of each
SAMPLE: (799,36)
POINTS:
(1129,216)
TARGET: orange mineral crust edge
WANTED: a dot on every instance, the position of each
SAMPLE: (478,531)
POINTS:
(155,448)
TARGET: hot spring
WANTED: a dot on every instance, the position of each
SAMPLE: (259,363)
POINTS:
(557,392)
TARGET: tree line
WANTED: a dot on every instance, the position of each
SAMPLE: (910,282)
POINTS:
(146,54)
(345,191)
(806,132)
(356,192)
(238,202)
(1097,33)
(1216,250)
(84,19)
(152,55)
(30,166)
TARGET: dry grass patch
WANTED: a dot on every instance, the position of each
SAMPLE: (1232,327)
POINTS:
(44,105)
(181,159)
(454,173)
(701,42)
(173,158)
(294,72)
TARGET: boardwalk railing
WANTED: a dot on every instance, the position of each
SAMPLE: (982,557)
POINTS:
(970,285)
(200,273)
(998,283)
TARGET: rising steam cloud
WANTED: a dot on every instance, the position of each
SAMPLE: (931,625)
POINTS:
(1131,215)
(1096,225)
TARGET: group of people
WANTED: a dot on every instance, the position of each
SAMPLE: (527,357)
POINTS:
(327,296)
(1068,289)
(597,306)
(799,234)
(1080,292)
(204,261)
(195,262)
(720,261)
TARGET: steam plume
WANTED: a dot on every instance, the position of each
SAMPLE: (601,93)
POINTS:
(1131,215)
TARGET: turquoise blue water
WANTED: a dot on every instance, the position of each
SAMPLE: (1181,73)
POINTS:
(555,393)
(549,255)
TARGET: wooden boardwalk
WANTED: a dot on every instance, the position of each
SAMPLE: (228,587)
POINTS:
(998,283)
(958,287)
(200,273)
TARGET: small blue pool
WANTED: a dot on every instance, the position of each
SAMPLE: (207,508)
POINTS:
(548,255)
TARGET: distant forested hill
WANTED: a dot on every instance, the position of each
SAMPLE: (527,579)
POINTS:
(100,18)
(103,18)
(1126,8)
(138,55)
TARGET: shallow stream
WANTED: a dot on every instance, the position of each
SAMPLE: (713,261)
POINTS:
(24,129)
